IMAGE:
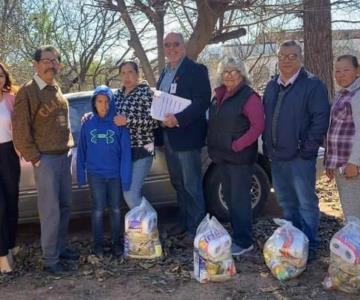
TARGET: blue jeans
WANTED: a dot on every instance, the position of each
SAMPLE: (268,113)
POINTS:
(53,183)
(105,192)
(236,183)
(140,169)
(185,175)
(294,183)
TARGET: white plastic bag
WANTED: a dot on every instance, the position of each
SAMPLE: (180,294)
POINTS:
(212,252)
(286,251)
(141,238)
(344,267)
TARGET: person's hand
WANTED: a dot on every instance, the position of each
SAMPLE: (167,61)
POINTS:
(351,170)
(18,153)
(120,120)
(330,174)
(86,117)
(170,121)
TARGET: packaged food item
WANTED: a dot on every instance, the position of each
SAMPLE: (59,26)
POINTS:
(286,251)
(212,252)
(344,267)
(141,239)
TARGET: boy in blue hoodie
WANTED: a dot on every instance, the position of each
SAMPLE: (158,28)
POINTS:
(104,151)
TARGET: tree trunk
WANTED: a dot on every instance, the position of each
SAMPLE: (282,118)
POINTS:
(135,43)
(158,22)
(208,15)
(318,40)
(159,39)
(82,81)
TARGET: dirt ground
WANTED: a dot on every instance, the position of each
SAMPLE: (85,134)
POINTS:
(169,278)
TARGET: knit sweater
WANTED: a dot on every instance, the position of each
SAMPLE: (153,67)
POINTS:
(136,108)
(41,121)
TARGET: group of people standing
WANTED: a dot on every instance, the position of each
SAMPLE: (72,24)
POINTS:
(117,145)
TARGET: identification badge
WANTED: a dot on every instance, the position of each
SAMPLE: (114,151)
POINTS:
(173,88)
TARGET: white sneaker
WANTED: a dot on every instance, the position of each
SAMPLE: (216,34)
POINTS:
(237,250)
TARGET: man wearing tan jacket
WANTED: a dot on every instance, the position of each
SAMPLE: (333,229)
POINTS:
(42,134)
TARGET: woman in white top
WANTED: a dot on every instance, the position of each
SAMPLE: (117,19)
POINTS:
(9,173)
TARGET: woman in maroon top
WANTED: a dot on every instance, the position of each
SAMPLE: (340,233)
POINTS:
(236,120)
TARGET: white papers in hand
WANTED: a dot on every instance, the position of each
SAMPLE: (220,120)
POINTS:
(164,103)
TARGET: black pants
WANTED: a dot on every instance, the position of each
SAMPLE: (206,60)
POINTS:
(9,196)
(236,182)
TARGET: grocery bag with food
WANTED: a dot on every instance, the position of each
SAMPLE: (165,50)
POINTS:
(286,251)
(141,239)
(344,267)
(212,252)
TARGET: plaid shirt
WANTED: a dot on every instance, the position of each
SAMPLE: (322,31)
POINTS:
(341,131)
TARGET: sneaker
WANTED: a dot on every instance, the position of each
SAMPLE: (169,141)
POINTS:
(69,254)
(57,269)
(236,250)
(116,250)
(188,240)
(175,230)
(312,256)
(98,251)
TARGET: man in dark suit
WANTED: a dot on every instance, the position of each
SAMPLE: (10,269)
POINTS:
(184,133)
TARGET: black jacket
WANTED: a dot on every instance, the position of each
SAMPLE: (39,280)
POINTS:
(193,83)
(226,124)
(303,119)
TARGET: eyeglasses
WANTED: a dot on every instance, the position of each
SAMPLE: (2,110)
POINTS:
(48,61)
(290,57)
(172,45)
(230,73)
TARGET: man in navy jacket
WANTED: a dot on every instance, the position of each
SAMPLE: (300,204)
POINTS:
(184,133)
(297,115)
